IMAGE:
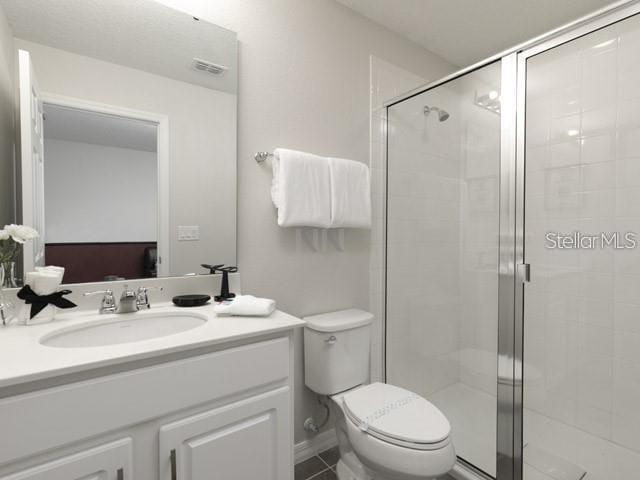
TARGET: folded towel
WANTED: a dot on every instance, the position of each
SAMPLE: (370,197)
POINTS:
(350,194)
(44,281)
(300,189)
(246,305)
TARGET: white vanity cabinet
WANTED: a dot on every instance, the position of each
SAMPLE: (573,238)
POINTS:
(224,414)
(111,461)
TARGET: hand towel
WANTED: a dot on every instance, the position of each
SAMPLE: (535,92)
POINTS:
(246,305)
(350,194)
(44,281)
(300,189)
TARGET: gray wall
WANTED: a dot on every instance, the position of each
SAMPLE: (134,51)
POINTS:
(7,115)
(304,83)
(89,189)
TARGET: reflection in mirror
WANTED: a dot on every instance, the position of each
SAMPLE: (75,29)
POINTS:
(101,171)
(126,150)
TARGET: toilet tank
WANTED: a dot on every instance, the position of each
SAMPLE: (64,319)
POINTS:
(336,350)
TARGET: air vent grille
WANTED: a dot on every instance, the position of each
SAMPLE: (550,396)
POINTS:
(208,67)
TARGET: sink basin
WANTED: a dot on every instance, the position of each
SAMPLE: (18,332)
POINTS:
(134,328)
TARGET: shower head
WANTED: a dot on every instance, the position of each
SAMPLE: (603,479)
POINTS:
(442,114)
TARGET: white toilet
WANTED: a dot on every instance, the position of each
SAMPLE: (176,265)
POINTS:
(384,432)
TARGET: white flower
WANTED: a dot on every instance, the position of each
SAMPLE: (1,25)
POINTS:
(20,233)
(4,235)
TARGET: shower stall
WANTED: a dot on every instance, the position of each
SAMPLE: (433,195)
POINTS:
(513,253)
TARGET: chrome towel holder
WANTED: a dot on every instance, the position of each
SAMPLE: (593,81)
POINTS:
(261,157)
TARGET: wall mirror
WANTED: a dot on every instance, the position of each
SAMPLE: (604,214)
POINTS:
(125,156)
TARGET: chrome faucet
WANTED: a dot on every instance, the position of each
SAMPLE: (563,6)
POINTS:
(143,298)
(130,300)
(108,303)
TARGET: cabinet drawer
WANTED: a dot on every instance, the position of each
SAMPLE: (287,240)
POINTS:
(111,461)
(42,420)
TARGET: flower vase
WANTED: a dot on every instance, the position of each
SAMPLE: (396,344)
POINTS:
(8,275)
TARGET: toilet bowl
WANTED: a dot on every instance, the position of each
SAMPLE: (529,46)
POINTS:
(384,432)
(394,433)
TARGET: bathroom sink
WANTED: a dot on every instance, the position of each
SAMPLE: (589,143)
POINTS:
(134,328)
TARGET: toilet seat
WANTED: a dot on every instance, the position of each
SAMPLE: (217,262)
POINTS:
(397,416)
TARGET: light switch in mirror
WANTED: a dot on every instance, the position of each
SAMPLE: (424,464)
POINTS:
(128,113)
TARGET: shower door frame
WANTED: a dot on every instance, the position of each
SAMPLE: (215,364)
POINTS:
(513,273)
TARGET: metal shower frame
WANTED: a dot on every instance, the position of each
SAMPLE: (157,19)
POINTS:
(512,271)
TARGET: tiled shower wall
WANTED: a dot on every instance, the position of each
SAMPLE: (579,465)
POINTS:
(442,277)
(387,81)
(443,238)
(479,225)
(582,308)
(424,241)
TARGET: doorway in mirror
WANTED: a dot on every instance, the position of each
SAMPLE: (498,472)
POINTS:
(104,178)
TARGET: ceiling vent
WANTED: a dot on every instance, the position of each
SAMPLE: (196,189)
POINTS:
(208,67)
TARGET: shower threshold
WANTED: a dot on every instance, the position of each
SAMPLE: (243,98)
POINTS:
(551,465)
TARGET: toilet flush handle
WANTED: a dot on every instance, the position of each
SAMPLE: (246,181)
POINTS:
(331,340)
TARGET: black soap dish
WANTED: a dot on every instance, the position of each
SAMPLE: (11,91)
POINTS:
(191,300)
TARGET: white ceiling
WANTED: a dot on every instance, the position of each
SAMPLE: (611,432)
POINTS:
(72,125)
(467,31)
(141,34)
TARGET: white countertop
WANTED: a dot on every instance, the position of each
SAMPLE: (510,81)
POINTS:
(24,359)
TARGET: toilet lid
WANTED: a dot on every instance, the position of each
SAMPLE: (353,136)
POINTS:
(396,415)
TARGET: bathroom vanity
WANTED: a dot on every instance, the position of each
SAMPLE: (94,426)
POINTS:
(188,405)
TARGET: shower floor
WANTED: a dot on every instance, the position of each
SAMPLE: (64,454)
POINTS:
(472,414)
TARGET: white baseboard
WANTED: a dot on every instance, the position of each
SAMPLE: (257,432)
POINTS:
(312,446)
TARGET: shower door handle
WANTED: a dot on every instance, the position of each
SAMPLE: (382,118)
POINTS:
(523,271)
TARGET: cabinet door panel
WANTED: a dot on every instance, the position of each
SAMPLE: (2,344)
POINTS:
(243,441)
(112,461)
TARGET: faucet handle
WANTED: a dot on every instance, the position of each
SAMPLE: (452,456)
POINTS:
(98,292)
(127,292)
(108,303)
(143,298)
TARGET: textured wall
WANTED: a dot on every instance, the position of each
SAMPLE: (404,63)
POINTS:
(304,83)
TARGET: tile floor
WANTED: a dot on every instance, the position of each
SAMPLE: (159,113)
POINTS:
(319,467)
(323,467)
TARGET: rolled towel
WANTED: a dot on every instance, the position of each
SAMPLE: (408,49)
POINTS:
(246,306)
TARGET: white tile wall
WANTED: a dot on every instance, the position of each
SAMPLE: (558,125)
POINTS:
(582,309)
(387,81)
(443,253)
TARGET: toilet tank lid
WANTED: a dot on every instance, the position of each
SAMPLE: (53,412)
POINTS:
(338,321)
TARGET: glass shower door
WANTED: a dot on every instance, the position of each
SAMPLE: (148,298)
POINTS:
(442,254)
(582,231)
